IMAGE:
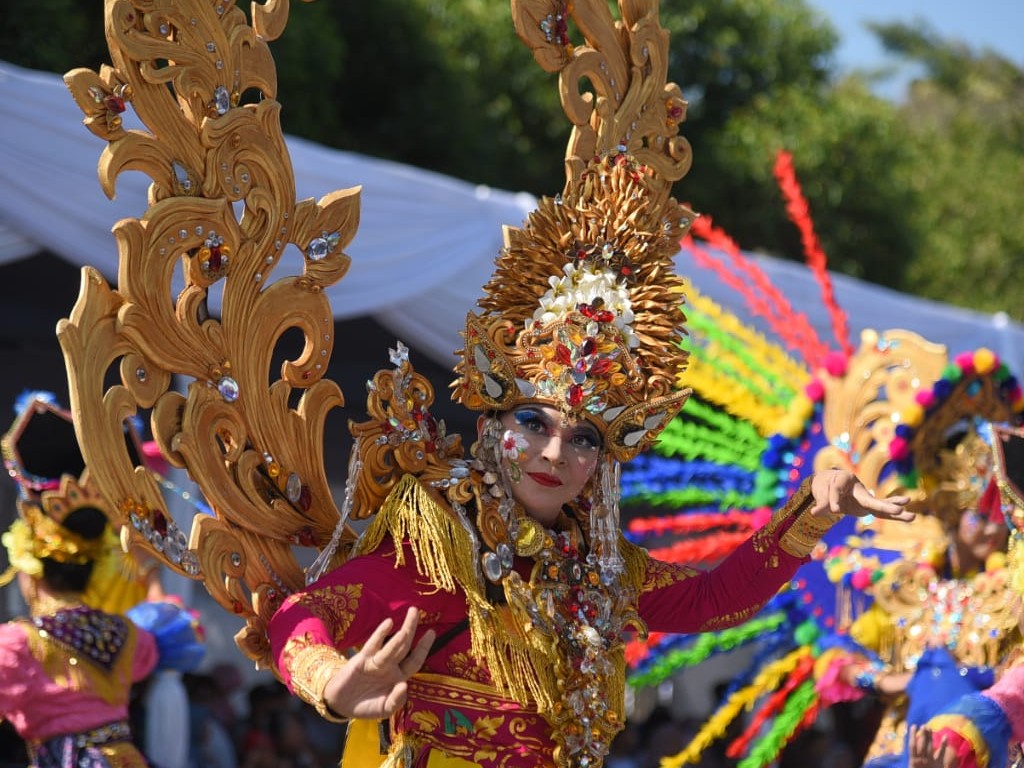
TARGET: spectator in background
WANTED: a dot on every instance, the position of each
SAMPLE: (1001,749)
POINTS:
(627,748)
(160,711)
(211,744)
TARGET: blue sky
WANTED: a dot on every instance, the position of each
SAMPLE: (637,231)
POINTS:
(995,24)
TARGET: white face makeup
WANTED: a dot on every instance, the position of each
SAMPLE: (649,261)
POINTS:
(551,462)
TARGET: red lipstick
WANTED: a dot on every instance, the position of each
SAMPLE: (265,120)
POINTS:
(549,481)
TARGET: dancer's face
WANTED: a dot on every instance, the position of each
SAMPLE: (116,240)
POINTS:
(981,535)
(555,460)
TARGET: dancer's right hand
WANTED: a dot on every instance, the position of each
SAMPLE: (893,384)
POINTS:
(923,752)
(372,684)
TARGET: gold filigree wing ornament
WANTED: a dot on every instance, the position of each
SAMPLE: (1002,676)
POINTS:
(401,437)
(880,379)
(1008,451)
(221,218)
(583,311)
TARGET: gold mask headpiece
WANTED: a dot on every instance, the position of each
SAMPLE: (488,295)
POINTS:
(1008,453)
(938,451)
(583,311)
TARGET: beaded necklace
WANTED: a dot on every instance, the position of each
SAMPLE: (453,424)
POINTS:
(580,617)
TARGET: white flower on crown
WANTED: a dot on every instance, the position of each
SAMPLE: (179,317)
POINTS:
(581,284)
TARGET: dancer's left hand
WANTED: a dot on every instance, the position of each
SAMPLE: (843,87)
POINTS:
(840,492)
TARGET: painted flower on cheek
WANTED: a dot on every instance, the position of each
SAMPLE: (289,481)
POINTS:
(513,446)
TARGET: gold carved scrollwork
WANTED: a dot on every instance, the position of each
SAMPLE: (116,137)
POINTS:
(625,62)
(221,212)
(881,379)
(400,436)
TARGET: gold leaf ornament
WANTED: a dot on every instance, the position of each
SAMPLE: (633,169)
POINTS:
(201,304)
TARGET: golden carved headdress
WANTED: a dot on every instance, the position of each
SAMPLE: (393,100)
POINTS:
(1008,452)
(41,455)
(583,311)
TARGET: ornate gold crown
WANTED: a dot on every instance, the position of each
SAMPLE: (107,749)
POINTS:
(222,210)
(960,475)
(583,311)
(42,457)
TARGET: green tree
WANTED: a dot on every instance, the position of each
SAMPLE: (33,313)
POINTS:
(907,195)
(441,84)
(967,117)
(52,35)
(729,55)
(856,165)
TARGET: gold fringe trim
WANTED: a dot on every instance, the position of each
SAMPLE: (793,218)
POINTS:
(446,555)
(635,559)
(77,673)
(521,660)
(441,545)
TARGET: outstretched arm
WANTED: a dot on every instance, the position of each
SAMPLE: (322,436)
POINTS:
(674,598)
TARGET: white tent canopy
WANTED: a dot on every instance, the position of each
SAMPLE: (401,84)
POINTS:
(425,245)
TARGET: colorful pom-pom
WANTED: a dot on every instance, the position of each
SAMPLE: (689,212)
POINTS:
(925,398)
(995,562)
(815,390)
(965,362)
(985,361)
(912,415)
(899,448)
(861,579)
(836,364)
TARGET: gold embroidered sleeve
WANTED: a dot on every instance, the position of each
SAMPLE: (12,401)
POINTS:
(731,619)
(334,605)
(806,529)
(311,666)
(659,574)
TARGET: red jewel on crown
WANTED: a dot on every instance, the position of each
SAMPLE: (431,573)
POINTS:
(594,311)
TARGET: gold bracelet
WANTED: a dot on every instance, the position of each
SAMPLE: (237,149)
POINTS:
(806,531)
(765,538)
(311,668)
